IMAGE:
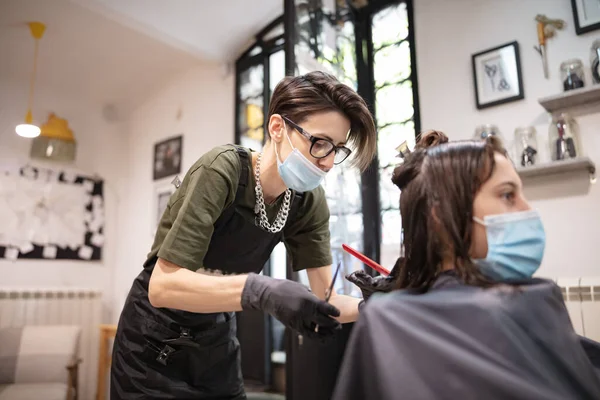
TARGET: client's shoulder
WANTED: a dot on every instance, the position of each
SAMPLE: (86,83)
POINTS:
(454,299)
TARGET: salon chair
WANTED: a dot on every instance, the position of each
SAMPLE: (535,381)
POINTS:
(39,362)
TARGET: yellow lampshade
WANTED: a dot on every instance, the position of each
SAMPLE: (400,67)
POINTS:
(57,128)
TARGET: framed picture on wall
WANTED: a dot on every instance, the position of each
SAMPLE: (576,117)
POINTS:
(497,76)
(167,157)
(586,14)
(161,200)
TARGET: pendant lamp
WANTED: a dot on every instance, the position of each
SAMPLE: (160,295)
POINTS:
(28,129)
(56,141)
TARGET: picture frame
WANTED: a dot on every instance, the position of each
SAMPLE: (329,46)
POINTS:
(167,157)
(162,195)
(586,14)
(497,75)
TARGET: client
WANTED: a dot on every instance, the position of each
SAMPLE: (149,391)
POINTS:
(469,321)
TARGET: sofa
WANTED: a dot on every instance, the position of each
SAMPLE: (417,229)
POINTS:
(39,362)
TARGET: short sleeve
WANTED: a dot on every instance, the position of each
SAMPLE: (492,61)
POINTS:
(308,239)
(194,214)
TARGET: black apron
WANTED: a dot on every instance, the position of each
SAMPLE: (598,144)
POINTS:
(173,354)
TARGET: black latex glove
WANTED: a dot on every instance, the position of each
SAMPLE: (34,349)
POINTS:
(292,304)
(369,284)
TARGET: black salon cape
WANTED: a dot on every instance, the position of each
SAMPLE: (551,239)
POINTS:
(460,342)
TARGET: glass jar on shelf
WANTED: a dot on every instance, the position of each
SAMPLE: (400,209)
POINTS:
(595,60)
(571,72)
(526,145)
(563,138)
(483,131)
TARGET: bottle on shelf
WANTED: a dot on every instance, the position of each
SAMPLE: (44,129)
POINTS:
(572,75)
(595,60)
(563,136)
(526,145)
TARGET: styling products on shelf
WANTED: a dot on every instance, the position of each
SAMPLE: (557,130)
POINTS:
(563,138)
(526,145)
(595,60)
(572,75)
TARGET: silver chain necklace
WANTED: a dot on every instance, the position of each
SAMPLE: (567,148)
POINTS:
(259,209)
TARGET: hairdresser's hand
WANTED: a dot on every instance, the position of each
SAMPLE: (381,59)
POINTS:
(369,285)
(292,304)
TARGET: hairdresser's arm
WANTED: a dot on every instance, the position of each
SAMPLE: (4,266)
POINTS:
(320,280)
(172,286)
(290,302)
(190,216)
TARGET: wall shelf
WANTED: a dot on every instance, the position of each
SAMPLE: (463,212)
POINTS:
(558,167)
(587,96)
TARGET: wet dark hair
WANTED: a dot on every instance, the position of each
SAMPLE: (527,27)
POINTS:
(298,97)
(438,183)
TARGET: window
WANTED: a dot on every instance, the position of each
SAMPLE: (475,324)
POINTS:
(258,71)
(394,113)
(325,41)
(251,105)
(370,48)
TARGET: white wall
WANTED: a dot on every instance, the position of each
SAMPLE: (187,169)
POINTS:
(204,98)
(121,153)
(447,34)
(101,149)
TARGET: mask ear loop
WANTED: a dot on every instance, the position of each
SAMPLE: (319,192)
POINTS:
(288,138)
(275,144)
(479,221)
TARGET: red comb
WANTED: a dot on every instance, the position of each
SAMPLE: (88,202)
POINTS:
(366,260)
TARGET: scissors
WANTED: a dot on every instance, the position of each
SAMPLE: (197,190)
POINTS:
(329,290)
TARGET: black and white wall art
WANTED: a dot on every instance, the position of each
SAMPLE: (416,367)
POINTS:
(497,75)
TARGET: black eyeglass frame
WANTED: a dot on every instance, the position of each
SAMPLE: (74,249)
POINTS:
(314,139)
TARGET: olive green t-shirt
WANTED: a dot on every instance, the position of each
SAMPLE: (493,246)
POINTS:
(209,187)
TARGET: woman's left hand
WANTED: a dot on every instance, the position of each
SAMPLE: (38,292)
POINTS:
(369,284)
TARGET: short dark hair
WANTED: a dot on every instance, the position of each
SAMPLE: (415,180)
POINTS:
(438,183)
(298,97)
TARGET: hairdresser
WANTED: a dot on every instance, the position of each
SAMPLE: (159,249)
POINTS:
(176,337)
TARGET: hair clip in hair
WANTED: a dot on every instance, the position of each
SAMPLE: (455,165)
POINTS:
(403,150)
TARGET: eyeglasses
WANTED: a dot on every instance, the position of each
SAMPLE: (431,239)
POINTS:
(321,147)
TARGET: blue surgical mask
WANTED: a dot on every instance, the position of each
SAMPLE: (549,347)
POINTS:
(516,243)
(297,172)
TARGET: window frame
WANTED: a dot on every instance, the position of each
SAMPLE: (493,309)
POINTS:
(366,77)
(370,190)
(247,60)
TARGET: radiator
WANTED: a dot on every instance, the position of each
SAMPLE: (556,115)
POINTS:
(582,298)
(19,307)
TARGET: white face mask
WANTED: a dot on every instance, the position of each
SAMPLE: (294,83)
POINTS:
(297,172)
